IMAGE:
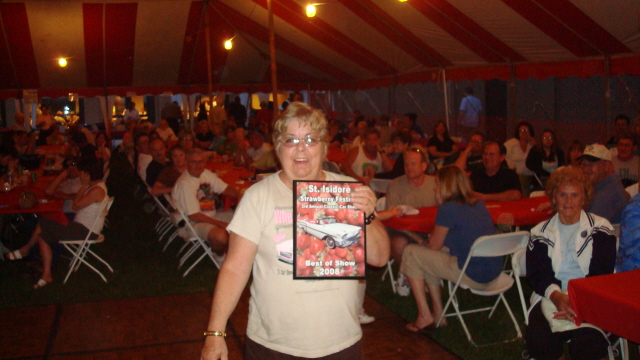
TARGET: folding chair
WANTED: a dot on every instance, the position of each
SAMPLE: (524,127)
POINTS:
(519,266)
(488,246)
(80,248)
(193,239)
(165,223)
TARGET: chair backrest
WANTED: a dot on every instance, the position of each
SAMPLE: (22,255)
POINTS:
(499,245)
(538,193)
(519,262)
(102,214)
(163,208)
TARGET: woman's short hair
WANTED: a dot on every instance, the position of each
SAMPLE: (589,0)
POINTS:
(521,124)
(569,175)
(92,167)
(306,116)
(455,185)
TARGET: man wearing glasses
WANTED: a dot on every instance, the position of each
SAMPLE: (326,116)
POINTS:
(494,182)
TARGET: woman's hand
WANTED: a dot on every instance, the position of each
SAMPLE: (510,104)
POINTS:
(562,303)
(363,198)
(214,348)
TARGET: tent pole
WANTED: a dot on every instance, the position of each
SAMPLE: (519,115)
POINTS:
(607,92)
(208,41)
(274,69)
(446,97)
(392,95)
(512,94)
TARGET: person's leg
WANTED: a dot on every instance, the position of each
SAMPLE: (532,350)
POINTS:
(35,236)
(398,243)
(542,344)
(218,239)
(435,290)
(588,344)
(425,317)
(46,255)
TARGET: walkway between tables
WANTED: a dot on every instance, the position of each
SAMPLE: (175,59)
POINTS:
(168,327)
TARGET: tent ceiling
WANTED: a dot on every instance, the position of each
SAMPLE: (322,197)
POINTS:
(156,45)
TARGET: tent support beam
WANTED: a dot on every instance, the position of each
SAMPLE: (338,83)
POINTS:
(512,94)
(607,92)
(207,33)
(446,97)
(274,69)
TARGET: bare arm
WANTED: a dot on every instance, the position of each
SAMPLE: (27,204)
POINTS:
(348,162)
(461,162)
(232,279)
(82,200)
(159,189)
(202,218)
(509,195)
(387,164)
(438,235)
(53,185)
(378,247)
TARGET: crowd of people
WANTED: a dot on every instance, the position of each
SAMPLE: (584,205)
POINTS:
(585,185)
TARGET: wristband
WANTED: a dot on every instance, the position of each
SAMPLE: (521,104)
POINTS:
(368,219)
(214,333)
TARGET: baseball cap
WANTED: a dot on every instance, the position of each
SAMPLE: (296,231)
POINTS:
(596,152)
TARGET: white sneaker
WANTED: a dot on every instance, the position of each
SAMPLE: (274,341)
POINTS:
(402,286)
(365,319)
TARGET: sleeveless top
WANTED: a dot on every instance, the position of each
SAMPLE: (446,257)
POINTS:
(86,216)
(363,162)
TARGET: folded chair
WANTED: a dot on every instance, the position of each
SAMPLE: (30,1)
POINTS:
(193,239)
(488,246)
(166,222)
(79,249)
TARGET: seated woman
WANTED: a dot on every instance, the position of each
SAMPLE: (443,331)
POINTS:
(441,146)
(574,151)
(461,219)
(87,203)
(546,157)
(572,244)
(170,174)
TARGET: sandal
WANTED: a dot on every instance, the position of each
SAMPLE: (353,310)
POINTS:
(40,284)
(14,255)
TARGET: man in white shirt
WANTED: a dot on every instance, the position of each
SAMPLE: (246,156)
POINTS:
(625,164)
(144,155)
(195,192)
(256,150)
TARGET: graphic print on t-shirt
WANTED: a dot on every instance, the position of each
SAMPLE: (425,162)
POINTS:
(206,197)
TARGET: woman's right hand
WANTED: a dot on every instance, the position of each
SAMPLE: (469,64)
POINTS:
(215,348)
(563,305)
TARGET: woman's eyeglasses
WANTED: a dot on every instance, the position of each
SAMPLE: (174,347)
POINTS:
(293,141)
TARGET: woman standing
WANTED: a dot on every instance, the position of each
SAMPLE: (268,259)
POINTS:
(571,245)
(545,158)
(461,219)
(279,307)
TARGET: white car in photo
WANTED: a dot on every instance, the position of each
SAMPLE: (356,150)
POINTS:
(332,231)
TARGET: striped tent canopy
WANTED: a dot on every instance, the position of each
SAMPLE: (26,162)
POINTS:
(154,46)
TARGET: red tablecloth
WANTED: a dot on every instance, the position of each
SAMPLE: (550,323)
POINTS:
(518,213)
(233,176)
(611,302)
(335,154)
(51,209)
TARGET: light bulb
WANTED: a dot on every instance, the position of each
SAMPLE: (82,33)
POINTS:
(311,11)
(62,62)
(228,44)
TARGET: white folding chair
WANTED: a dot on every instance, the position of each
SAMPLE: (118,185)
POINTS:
(519,266)
(80,248)
(165,223)
(193,239)
(488,246)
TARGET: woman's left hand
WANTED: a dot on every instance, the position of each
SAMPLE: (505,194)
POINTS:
(562,303)
(85,178)
(363,198)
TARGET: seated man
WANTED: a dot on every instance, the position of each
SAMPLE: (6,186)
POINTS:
(625,164)
(257,151)
(158,154)
(144,156)
(471,158)
(414,189)
(609,197)
(194,192)
(65,186)
(366,160)
(493,182)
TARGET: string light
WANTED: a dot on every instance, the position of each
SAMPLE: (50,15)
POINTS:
(402,0)
(62,62)
(311,10)
(228,44)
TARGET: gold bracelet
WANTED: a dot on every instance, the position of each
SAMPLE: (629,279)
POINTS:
(215,333)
